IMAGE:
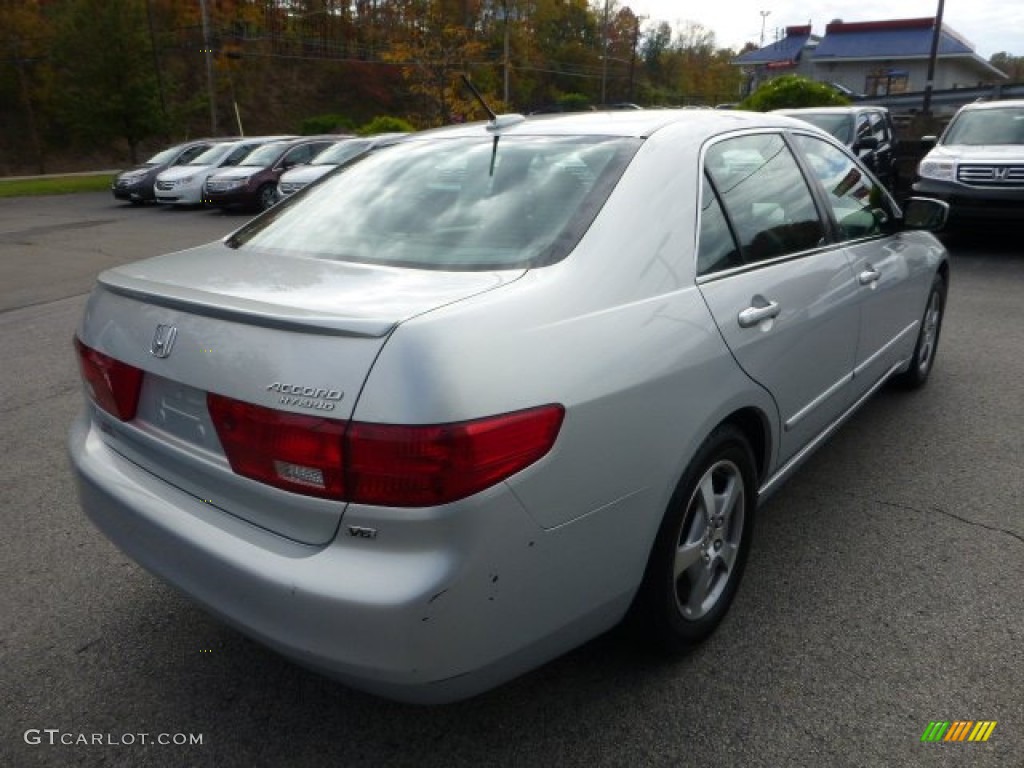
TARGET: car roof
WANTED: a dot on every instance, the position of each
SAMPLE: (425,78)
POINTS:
(295,140)
(994,104)
(848,110)
(192,142)
(624,123)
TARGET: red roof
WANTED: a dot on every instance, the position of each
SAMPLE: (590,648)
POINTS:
(878,26)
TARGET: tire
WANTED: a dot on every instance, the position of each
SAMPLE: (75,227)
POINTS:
(266,196)
(927,346)
(698,558)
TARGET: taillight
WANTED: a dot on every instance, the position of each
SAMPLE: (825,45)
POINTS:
(287,450)
(419,466)
(382,464)
(114,385)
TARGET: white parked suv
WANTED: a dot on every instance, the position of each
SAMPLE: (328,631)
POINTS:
(183,184)
(977,165)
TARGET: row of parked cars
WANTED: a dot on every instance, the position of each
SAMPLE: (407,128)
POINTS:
(253,172)
(977,166)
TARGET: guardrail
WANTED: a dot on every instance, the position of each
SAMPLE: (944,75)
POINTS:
(946,100)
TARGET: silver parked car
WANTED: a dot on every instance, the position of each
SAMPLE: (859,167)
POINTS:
(489,392)
(330,159)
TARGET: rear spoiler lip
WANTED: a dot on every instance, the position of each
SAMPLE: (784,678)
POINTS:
(239,309)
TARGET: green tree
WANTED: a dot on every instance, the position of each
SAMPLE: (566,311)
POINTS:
(105,73)
(317,124)
(25,38)
(385,124)
(791,92)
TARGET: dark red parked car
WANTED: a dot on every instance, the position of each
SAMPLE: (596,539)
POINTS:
(253,182)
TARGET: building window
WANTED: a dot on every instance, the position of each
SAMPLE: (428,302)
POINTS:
(884,81)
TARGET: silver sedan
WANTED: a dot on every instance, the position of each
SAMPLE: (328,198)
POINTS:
(483,396)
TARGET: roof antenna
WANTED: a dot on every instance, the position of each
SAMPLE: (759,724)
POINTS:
(472,89)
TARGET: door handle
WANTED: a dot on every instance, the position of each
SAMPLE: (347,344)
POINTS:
(869,275)
(761,309)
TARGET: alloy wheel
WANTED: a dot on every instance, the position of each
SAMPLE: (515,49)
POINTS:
(709,542)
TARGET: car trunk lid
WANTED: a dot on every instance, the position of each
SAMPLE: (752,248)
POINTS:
(292,334)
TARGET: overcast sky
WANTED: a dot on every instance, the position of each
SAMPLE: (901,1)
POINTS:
(991,25)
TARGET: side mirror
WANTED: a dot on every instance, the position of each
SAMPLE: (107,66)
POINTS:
(866,142)
(925,213)
(928,142)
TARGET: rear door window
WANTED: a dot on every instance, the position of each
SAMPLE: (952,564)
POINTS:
(717,249)
(765,196)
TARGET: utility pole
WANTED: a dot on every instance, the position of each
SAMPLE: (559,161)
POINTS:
(926,106)
(30,113)
(632,54)
(604,57)
(156,63)
(208,52)
(504,5)
(764,15)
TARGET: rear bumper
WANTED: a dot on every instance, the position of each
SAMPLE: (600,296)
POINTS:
(432,610)
(974,202)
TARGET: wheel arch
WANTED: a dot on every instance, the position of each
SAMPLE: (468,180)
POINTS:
(754,425)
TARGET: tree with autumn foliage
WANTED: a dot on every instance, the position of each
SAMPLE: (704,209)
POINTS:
(125,76)
(433,56)
(684,66)
(25,38)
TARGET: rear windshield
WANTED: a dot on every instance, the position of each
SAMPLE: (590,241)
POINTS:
(1004,125)
(451,204)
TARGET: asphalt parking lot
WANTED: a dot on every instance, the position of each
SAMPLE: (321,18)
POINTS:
(885,588)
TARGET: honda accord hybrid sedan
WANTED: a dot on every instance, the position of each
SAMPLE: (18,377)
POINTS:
(481,397)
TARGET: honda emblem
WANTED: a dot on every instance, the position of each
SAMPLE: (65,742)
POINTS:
(163,341)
